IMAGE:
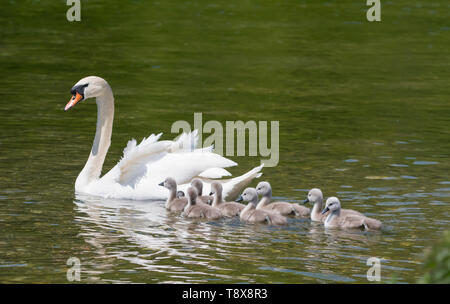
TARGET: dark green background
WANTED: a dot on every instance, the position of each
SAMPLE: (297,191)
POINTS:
(341,87)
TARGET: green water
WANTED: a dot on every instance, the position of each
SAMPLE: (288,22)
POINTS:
(363,110)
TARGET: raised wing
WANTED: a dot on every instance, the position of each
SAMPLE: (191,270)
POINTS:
(133,164)
(151,161)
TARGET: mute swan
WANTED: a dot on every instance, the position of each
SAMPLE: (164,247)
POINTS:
(315,196)
(143,166)
(228,209)
(252,215)
(198,185)
(284,208)
(336,220)
(173,202)
(193,209)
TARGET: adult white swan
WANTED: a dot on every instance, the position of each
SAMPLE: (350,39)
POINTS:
(142,167)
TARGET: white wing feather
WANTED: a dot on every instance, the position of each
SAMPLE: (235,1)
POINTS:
(151,161)
(132,166)
(214,173)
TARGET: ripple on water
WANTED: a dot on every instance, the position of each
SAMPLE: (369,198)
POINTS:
(323,276)
(13,265)
(423,162)
(439,203)
(408,177)
(379,188)
(443,189)
(396,203)
(351,160)
(415,195)
(398,165)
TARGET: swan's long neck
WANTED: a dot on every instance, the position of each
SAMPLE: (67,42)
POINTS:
(265,200)
(316,211)
(333,214)
(217,199)
(105,116)
(172,195)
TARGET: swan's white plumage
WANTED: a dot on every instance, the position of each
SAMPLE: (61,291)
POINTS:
(143,166)
(214,173)
(133,164)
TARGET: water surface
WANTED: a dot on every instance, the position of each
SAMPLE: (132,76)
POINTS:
(363,111)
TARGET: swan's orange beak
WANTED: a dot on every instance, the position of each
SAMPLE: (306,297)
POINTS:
(73,101)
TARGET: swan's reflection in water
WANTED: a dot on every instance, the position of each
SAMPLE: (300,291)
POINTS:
(147,235)
(131,237)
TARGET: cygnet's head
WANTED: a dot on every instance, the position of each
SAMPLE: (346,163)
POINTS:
(88,87)
(314,196)
(198,185)
(192,195)
(332,204)
(169,183)
(216,188)
(180,194)
(264,189)
(249,195)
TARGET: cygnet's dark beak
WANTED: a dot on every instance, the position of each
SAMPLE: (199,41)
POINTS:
(161,184)
(305,201)
(239,199)
(325,210)
(211,194)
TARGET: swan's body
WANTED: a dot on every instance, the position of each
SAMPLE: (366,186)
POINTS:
(252,215)
(284,208)
(143,166)
(351,220)
(194,209)
(173,202)
(228,209)
(315,196)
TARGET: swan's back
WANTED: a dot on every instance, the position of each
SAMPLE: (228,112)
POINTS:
(177,204)
(230,209)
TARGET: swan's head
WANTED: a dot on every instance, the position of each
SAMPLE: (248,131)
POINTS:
(332,204)
(192,195)
(88,87)
(180,194)
(249,195)
(198,185)
(264,189)
(169,183)
(216,188)
(314,196)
